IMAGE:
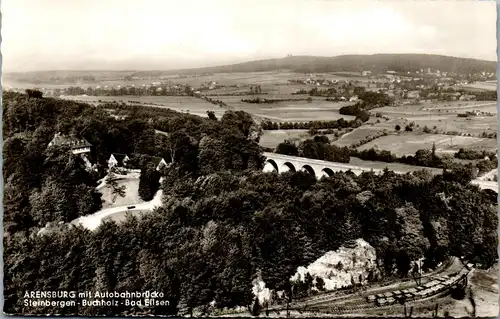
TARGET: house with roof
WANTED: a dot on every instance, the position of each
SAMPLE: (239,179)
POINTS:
(159,162)
(467,97)
(118,160)
(413,94)
(78,145)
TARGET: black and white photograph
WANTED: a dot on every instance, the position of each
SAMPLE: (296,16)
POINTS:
(250,158)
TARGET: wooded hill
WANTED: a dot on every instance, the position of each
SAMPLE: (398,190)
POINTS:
(349,63)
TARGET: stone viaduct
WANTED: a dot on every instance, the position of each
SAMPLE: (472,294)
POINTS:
(284,163)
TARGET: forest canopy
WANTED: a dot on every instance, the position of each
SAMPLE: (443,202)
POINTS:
(222,219)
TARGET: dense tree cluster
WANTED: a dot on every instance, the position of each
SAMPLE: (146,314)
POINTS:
(149,182)
(468,154)
(317,148)
(259,100)
(355,110)
(159,90)
(216,231)
(34,94)
(372,99)
(34,173)
(213,101)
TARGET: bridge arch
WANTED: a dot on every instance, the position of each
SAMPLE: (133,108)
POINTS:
(326,172)
(309,169)
(271,166)
(287,167)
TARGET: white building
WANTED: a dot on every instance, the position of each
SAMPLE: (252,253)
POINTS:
(78,145)
(117,159)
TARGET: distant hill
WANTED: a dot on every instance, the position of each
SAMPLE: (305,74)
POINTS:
(348,63)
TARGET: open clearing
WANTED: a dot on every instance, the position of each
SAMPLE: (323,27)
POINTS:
(131,183)
(408,143)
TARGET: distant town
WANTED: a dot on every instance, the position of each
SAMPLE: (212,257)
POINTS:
(405,88)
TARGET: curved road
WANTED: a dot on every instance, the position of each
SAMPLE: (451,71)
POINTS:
(93,221)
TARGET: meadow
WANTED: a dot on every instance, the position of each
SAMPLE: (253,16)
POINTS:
(407,143)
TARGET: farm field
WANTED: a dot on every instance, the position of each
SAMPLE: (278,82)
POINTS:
(179,103)
(391,166)
(241,78)
(481,86)
(295,111)
(444,117)
(408,143)
(272,77)
(439,108)
(358,134)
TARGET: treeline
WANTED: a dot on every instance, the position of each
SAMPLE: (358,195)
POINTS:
(215,232)
(213,101)
(472,114)
(161,90)
(486,95)
(259,100)
(474,155)
(320,125)
(317,92)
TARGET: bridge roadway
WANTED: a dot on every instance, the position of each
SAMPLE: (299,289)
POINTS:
(283,163)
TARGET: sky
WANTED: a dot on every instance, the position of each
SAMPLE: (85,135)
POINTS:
(165,34)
